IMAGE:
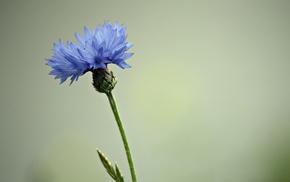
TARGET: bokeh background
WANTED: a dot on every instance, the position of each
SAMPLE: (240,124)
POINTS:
(207,97)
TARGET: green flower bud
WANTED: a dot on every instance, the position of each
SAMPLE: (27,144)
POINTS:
(103,80)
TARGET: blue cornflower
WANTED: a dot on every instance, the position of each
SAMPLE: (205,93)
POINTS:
(94,50)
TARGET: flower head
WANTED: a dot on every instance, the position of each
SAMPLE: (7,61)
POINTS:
(94,50)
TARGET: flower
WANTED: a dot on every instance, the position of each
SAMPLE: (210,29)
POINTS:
(94,50)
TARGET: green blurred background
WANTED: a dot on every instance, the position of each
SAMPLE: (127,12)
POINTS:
(207,98)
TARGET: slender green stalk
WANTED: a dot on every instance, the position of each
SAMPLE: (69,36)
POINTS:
(123,135)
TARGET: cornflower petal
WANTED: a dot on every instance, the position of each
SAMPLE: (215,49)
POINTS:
(106,44)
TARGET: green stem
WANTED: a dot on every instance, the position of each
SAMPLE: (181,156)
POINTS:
(123,135)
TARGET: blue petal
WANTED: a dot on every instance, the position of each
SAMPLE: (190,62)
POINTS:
(123,64)
(80,38)
(104,45)
(126,56)
(87,32)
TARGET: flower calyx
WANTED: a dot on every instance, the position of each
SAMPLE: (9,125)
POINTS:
(103,80)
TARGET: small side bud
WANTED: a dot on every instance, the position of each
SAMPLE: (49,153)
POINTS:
(103,80)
